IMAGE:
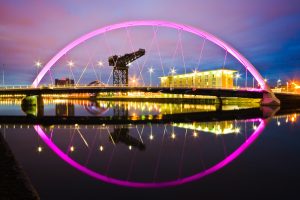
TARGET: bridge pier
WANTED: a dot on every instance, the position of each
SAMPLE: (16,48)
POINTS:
(269,99)
(33,105)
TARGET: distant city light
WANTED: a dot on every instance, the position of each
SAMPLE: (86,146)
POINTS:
(129,147)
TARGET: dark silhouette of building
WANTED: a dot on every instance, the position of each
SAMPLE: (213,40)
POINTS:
(65,81)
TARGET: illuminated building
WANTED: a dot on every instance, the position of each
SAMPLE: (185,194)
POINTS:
(219,78)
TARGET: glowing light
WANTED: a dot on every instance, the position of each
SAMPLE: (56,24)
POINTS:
(173,71)
(100,63)
(40,149)
(151,70)
(237,76)
(101,148)
(151,137)
(173,136)
(71,63)
(72,148)
(130,147)
(38,64)
(254,127)
(278,123)
(293,119)
(195,134)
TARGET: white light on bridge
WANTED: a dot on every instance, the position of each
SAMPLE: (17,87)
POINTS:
(71,63)
(38,64)
(100,63)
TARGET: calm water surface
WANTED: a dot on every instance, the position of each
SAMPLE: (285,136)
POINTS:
(228,159)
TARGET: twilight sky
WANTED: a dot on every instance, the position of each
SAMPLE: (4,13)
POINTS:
(266,32)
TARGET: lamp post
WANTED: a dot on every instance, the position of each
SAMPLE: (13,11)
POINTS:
(173,71)
(71,65)
(3,75)
(237,76)
(151,70)
(100,64)
(37,64)
(278,82)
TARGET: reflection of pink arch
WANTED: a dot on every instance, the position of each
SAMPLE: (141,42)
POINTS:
(194,177)
(189,29)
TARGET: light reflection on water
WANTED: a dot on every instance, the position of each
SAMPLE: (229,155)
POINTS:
(139,155)
(71,107)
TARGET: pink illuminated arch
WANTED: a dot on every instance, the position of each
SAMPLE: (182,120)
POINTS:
(64,156)
(159,23)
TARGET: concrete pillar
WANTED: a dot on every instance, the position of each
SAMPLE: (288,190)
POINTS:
(269,99)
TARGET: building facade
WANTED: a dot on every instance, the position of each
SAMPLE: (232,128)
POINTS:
(219,78)
(65,81)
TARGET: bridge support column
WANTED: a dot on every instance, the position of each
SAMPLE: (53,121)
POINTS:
(269,99)
(33,105)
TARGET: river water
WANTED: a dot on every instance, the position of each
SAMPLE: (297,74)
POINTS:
(236,152)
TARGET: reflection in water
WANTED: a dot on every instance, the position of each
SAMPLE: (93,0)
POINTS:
(35,105)
(223,127)
(180,140)
(165,153)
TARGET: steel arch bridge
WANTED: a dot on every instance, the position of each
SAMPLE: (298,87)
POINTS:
(268,96)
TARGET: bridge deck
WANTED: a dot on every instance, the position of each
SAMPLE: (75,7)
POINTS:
(218,92)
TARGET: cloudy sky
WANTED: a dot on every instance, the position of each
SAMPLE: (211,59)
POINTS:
(266,32)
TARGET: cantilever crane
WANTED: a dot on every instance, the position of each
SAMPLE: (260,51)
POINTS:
(121,65)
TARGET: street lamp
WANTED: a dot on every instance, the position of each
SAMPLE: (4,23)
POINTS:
(237,76)
(151,70)
(71,64)
(173,71)
(100,64)
(278,82)
(37,64)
